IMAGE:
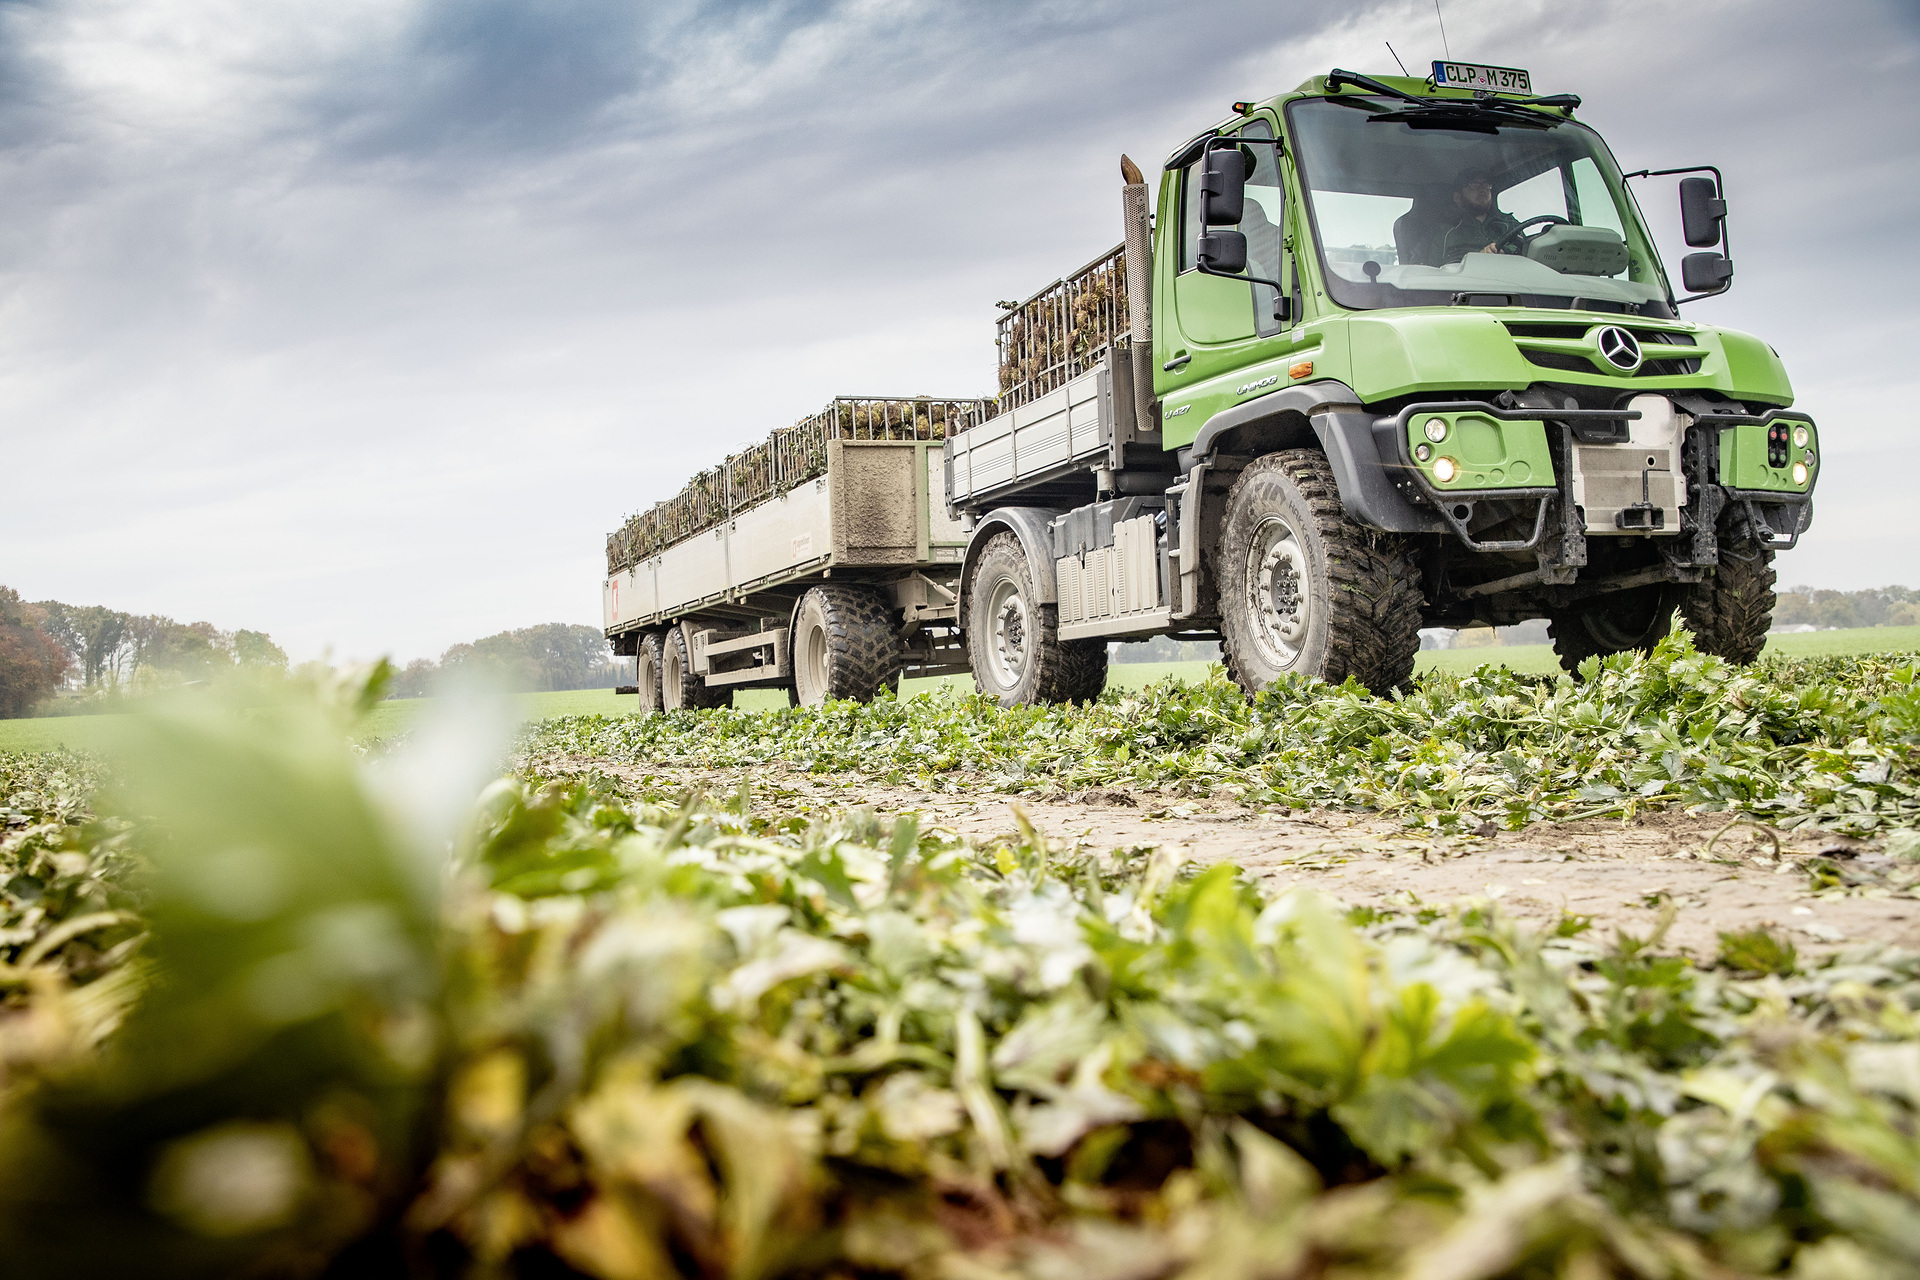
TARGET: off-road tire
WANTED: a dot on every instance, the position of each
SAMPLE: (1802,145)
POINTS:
(1636,619)
(647,665)
(1013,641)
(844,644)
(1083,674)
(680,688)
(1729,613)
(1362,587)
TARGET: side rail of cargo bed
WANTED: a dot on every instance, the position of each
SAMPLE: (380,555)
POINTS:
(1050,450)
(876,515)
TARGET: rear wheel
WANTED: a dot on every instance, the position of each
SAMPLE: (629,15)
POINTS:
(680,688)
(1304,589)
(1730,613)
(647,664)
(1635,619)
(1013,641)
(843,644)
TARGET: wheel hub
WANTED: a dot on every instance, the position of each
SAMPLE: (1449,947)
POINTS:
(1011,634)
(1277,596)
(811,668)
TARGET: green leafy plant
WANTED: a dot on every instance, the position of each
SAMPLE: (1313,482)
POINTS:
(1832,742)
(641,1034)
(1757,950)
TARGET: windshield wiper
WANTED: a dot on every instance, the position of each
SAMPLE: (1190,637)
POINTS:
(1483,113)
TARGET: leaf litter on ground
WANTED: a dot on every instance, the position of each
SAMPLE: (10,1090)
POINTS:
(638,1035)
(1831,742)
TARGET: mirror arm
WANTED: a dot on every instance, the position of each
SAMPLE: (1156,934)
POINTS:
(1713,293)
(1280,297)
(1720,188)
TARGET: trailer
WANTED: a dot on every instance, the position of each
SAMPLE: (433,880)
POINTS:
(1376,354)
(785,581)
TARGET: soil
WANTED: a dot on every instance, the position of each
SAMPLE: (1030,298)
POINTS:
(1619,875)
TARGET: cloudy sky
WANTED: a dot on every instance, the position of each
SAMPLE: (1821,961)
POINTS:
(361,321)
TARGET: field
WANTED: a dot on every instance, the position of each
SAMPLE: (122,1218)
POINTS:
(1508,977)
(393,717)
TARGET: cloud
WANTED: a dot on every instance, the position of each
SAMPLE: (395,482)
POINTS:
(361,322)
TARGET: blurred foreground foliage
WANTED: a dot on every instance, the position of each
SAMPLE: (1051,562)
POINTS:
(575,1031)
(1833,741)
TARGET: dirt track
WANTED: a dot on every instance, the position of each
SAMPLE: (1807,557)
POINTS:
(1617,874)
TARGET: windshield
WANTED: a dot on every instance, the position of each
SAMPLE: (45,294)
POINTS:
(1500,214)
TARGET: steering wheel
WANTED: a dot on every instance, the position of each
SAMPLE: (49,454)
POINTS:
(1513,236)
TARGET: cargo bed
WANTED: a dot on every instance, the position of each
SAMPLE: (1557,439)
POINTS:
(877,514)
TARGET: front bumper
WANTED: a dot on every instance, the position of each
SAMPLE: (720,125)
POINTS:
(1652,471)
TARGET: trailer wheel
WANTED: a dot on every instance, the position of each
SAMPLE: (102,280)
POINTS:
(681,689)
(1013,642)
(843,644)
(647,666)
(1730,613)
(1304,589)
(1615,623)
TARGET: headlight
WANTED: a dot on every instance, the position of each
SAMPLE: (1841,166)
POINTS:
(1799,473)
(1436,429)
(1423,452)
(1800,437)
(1445,469)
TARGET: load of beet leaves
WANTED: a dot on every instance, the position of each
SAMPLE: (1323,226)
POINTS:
(292,1011)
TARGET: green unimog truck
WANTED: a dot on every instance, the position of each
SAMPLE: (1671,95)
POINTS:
(1384,353)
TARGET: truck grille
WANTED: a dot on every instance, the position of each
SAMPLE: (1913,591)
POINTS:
(1650,341)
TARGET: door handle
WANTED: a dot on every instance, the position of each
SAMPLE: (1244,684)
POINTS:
(1179,361)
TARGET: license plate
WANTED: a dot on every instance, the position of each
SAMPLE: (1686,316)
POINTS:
(1469,75)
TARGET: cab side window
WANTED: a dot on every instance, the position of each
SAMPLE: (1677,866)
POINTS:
(1189,214)
(1261,221)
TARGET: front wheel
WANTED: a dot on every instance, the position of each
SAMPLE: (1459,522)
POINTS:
(1013,641)
(1306,590)
(1731,612)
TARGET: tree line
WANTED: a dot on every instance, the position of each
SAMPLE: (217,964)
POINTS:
(553,655)
(1873,607)
(94,653)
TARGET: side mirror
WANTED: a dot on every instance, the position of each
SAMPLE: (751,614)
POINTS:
(1224,251)
(1223,188)
(1705,272)
(1701,212)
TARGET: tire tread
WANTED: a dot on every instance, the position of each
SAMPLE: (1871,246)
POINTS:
(1375,597)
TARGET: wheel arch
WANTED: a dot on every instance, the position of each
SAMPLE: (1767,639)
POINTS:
(1029,525)
(1328,414)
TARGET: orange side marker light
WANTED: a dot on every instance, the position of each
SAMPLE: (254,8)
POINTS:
(1302,370)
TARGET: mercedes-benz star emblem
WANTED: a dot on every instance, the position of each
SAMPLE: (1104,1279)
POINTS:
(1620,348)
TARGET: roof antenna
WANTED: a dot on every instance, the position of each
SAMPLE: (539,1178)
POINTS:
(1444,46)
(1396,58)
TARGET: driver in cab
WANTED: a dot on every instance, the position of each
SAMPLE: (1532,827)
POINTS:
(1481,227)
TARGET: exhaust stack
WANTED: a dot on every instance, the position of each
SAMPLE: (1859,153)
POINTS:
(1139,241)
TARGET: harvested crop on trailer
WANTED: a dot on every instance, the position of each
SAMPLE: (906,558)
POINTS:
(639,1033)
(1063,330)
(787,459)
